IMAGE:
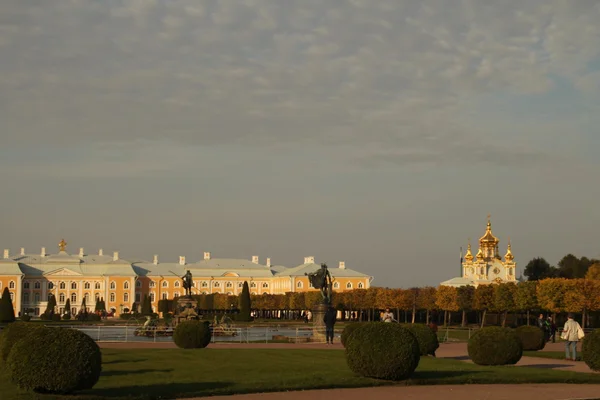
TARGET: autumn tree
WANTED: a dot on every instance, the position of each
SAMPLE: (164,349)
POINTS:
(591,294)
(427,297)
(504,299)
(413,301)
(484,300)
(465,295)
(593,272)
(446,300)
(525,297)
(551,294)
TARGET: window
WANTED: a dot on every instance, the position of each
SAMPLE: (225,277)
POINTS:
(152,284)
(74,286)
(112,297)
(348,285)
(165,296)
(26,297)
(11,285)
(50,285)
(336,285)
(299,285)
(36,311)
(165,284)
(177,284)
(97,297)
(240,285)
(360,285)
(36,297)
(253,285)
(229,284)
(216,284)
(175,295)
(61,298)
(73,298)
(25,285)
(87,298)
(152,297)
(73,311)
(265,285)
(62,285)
(37,285)
(113,285)
(126,285)
(138,284)
(204,284)
(138,297)
(97,286)
(86,285)
(126,297)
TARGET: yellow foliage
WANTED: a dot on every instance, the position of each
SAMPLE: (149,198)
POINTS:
(593,273)
(447,298)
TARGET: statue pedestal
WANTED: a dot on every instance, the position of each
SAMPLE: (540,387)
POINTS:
(318,313)
(186,309)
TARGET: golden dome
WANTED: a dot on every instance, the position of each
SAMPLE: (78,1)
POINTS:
(479,255)
(469,255)
(488,239)
(509,256)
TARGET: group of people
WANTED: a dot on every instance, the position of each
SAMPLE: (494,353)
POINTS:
(572,333)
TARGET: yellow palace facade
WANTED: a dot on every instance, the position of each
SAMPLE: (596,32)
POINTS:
(31,278)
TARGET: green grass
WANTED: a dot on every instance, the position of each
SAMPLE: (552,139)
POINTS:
(175,373)
(555,355)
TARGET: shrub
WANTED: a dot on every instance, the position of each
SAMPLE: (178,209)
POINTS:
(66,317)
(383,351)
(192,335)
(56,317)
(428,340)
(12,334)
(93,317)
(348,331)
(7,312)
(245,303)
(25,318)
(591,350)
(54,360)
(495,346)
(532,337)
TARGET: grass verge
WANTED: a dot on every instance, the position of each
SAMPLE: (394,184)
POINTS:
(555,355)
(175,373)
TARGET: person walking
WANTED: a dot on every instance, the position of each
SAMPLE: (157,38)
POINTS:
(388,316)
(552,328)
(329,320)
(572,333)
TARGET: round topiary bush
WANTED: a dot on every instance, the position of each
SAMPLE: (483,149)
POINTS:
(12,333)
(192,335)
(495,346)
(55,360)
(591,350)
(348,329)
(428,340)
(532,337)
(383,351)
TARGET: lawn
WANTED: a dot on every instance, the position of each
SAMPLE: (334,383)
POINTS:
(556,355)
(175,373)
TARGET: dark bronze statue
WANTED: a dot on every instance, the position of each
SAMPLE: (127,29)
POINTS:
(321,279)
(187,283)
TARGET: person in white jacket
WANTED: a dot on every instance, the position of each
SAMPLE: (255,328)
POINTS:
(571,333)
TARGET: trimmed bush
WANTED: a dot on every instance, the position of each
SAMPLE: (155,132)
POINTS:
(12,333)
(93,317)
(192,335)
(532,337)
(591,350)
(25,318)
(55,317)
(348,329)
(382,351)
(55,360)
(495,346)
(428,340)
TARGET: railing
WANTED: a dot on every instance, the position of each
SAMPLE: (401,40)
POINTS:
(219,334)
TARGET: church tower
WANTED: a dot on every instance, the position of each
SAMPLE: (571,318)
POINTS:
(488,243)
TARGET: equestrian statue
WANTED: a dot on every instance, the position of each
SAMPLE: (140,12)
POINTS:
(321,279)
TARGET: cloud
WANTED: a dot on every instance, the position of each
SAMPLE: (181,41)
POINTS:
(390,74)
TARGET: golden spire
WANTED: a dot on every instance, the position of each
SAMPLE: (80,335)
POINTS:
(479,255)
(469,255)
(62,245)
(509,256)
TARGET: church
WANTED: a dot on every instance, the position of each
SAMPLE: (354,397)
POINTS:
(32,277)
(486,266)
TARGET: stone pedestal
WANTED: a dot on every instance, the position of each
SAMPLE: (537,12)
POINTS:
(186,309)
(318,313)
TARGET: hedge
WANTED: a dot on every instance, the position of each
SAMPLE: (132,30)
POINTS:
(192,334)
(55,360)
(348,329)
(12,333)
(532,337)
(591,350)
(428,340)
(383,351)
(495,346)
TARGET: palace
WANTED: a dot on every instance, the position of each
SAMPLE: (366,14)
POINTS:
(31,278)
(487,265)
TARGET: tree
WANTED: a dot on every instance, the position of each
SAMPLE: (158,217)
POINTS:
(465,295)
(538,269)
(591,294)
(551,294)
(146,305)
(593,272)
(427,297)
(525,297)
(413,299)
(50,306)
(571,267)
(68,307)
(245,303)
(7,312)
(484,300)
(83,307)
(446,299)
(504,299)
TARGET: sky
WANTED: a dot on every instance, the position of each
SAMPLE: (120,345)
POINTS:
(376,132)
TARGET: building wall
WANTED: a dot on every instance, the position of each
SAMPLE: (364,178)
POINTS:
(5,281)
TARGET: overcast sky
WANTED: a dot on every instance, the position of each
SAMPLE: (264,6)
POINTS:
(380,133)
